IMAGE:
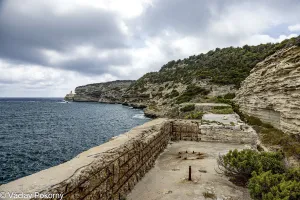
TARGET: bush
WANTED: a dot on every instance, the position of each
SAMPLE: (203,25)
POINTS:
(267,176)
(187,108)
(241,164)
(194,115)
(229,96)
(190,92)
(172,94)
(269,186)
(222,100)
(253,120)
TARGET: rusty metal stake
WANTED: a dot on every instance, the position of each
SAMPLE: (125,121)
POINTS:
(190,173)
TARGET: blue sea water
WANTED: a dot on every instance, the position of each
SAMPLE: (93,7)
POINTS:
(38,133)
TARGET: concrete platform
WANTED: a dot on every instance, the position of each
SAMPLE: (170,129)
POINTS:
(168,179)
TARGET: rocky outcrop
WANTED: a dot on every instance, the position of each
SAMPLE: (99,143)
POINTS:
(109,92)
(69,97)
(272,91)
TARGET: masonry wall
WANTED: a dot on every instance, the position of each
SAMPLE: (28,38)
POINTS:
(185,130)
(118,170)
(241,134)
(112,170)
(195,131)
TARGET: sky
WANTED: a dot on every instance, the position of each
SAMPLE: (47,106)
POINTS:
(48,47)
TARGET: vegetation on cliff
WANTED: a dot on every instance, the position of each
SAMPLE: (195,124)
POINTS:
(225,66)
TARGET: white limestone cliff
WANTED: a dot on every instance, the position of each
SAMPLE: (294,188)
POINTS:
(272,91)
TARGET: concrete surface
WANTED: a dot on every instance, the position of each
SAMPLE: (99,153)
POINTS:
(168,179)
(222,118)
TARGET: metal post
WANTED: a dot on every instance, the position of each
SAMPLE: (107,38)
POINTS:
(190,173)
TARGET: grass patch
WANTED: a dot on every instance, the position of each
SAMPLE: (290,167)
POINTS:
(273,136)
(209,195)
(226,110)
(187,108)
(194,115)
(212,122)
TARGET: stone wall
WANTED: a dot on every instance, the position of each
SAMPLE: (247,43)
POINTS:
(242,134)
(196,131)
(118,170)
(113,170)
(185,130)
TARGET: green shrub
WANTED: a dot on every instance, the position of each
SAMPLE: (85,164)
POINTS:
(160,89)
(269,186)
(267,175)
(229,96)
(220,99)
(172,94)
(194,115)
(253,120)
(187,108)
(241,164)
(190,92)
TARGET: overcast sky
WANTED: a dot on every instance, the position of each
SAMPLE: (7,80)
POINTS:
(48,47)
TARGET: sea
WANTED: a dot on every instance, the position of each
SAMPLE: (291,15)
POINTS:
(38,133)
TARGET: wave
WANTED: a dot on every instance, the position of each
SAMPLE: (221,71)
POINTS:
(63,102)
(140,116)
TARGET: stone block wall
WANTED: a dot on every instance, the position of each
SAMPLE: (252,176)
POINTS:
(185,130)
(115,172)
(242,134)
(195,131)
(106,172)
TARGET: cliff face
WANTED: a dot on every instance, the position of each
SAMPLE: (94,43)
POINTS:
(161,98)
(272,91)
(109,92)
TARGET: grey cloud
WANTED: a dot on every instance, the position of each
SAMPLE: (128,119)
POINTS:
(96,66)
(186,17)
(24,35)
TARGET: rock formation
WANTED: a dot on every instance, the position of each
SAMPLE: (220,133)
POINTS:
(272,91)
(69,97)
(109,92)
